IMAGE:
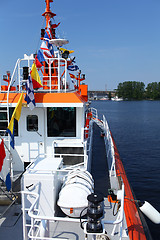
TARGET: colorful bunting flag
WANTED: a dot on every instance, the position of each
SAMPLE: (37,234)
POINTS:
(16,115)
(30,94)
(39,59)
(35,77)
(2,154)
(45,50)
(72,67)
(4,167)
(72,76)
(77,78)
(49,45)
(38,63)
(74,83)
(63,50)
(55,25)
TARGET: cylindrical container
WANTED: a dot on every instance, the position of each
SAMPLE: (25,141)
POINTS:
(73,195)
(150,212)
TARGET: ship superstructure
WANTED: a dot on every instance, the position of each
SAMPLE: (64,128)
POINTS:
(73,184)
(58,119)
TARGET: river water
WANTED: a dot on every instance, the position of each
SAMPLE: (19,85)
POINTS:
(135,126)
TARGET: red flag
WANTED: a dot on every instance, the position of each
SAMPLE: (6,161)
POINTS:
(35,77)
(55,25)
(38,64)
(2,154)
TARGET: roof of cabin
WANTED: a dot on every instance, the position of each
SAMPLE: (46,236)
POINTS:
(43,98)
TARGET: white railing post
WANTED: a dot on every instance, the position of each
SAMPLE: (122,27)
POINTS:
(50,79)
(109,146)
(58,72)
(24,218)
(65,75)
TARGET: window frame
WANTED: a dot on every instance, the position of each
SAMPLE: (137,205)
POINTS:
(30,124)
(70,122)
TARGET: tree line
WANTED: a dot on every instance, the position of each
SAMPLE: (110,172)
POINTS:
(132,90)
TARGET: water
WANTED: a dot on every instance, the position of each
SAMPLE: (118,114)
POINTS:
(135,126)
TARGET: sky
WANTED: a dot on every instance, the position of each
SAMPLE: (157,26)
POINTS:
(114,40)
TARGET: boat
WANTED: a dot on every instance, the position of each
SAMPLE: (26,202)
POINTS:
(104,98)
(62,174)
(117,99)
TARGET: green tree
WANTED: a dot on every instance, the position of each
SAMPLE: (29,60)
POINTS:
(153,91)
(131,90)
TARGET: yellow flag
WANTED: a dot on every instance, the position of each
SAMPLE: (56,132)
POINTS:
(18,108)
(63,50)
(16,115)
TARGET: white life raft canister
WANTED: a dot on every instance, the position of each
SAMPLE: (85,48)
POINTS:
(73,195)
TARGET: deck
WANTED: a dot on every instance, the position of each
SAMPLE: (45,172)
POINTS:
(99,166)
(11,222)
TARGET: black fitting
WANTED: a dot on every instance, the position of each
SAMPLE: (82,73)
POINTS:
(25,73)
(94,213)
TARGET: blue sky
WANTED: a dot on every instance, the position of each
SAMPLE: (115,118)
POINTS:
(113,40)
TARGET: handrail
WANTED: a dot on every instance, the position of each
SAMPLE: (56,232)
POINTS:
(94,112)
(35,217)
(57,72)
(32,215)
(109,146)
(10,83)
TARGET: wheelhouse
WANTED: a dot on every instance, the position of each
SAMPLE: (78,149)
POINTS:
(57,122)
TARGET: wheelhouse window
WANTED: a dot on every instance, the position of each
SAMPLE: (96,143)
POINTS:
(61,121)
(32,123)
(4,122)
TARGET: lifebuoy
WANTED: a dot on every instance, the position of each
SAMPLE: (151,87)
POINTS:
(89,116)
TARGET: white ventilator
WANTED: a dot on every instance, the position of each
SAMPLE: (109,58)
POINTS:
(150,212)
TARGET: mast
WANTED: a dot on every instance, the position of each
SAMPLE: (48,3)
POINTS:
(48,14)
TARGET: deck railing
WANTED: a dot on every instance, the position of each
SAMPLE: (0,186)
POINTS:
(53,74)
(37,226)
(94,112)
(109,147)
(108,140)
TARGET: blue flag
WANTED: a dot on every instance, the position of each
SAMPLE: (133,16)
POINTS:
(40,57)
(72,67)
(47,38)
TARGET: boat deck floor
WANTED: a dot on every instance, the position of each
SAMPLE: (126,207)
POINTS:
(11,222)
(99,166)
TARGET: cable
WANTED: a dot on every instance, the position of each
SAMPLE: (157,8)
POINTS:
(81,217)
(117,202)
(39,38)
